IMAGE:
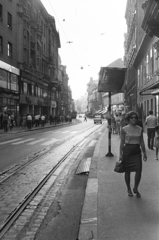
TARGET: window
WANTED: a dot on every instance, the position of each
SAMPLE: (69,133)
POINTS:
(138,77)
(3,78)
(14,82)
(32,90)
(1,44)
(9,21)
(29,89)
(25,87)
(9,49)
(1,13)
(147,66)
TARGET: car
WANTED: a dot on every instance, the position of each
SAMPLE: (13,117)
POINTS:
(97,119)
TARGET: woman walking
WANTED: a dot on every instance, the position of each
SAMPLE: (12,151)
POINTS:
(130,151)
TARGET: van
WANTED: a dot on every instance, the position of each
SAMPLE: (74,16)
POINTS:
(97,118)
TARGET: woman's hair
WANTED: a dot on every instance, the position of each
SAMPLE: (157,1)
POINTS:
(130,114)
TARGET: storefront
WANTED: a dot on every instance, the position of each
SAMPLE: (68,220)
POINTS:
(9,88)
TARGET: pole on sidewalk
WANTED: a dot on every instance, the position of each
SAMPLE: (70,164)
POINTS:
(109,154)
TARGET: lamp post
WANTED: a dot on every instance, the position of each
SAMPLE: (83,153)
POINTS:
(109,154)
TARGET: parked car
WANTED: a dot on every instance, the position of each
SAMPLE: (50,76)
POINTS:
(97,119)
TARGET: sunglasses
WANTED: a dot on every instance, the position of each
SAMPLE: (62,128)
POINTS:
(134,117)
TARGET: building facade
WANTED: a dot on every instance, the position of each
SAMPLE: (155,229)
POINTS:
(142,68)
(29,44)
(9,72)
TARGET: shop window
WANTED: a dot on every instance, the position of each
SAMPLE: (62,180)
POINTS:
(155,59)
(25,88)
(1,13)
(39,92)
(29,89)
(32,90)
(36,91)
(45,95)
(5,101)
(9,24)
(147,67)
(14,82)
(1,44)
(3,78)
(10,49)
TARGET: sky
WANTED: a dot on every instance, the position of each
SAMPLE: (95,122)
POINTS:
(96,29)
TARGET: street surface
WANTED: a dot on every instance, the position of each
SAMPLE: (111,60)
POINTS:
(27,144)
(16,188)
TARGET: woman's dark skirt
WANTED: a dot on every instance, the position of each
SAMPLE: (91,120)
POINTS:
(132,158)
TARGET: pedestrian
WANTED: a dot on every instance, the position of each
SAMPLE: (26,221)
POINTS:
(24,121)
(151,122)
(42,120)
(37,120)
(113,124)
(29,121)
(118,122)
(5,122)
(85,118)
(131,144)
(157,141)
(9,123)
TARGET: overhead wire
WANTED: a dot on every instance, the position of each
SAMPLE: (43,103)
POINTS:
(64,33)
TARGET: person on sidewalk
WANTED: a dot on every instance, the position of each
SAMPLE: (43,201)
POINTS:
(130,151)
(151,122)
(5,122)
(42,120)
(157,141)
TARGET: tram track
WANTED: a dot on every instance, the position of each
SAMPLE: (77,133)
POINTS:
(17,211)
(15,168)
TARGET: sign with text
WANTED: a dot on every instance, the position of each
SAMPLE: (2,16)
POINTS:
(111,79)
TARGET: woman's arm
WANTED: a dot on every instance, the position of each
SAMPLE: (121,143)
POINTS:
(122,141)
(142,144)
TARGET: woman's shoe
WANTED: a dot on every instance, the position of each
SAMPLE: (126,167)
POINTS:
(138,195)
(130,194)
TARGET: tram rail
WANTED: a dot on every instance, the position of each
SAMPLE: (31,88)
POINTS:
(13,216)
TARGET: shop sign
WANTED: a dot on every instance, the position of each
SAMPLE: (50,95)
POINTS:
(9,68)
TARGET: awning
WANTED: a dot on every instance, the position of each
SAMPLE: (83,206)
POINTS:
(156,92)
(111,79)
(104,111)
(98,111)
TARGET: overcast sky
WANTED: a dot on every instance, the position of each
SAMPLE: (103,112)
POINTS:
(96,29)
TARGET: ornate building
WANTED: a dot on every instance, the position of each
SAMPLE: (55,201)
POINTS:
(29,44)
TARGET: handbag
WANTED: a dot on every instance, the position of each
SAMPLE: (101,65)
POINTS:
(119,167)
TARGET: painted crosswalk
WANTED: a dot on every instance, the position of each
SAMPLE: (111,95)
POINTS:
(32,141)
(23,141)
(10,141)
(36,141)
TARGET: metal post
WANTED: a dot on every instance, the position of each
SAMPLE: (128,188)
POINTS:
(109,154)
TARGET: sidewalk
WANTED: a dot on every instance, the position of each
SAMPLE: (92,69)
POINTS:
(108,213)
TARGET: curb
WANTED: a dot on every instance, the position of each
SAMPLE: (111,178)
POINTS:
(88,225)
(9,134)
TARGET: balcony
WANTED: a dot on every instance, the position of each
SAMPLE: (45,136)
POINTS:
(26,14)
(25,67)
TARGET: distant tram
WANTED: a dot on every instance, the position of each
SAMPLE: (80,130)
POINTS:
(74,114)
